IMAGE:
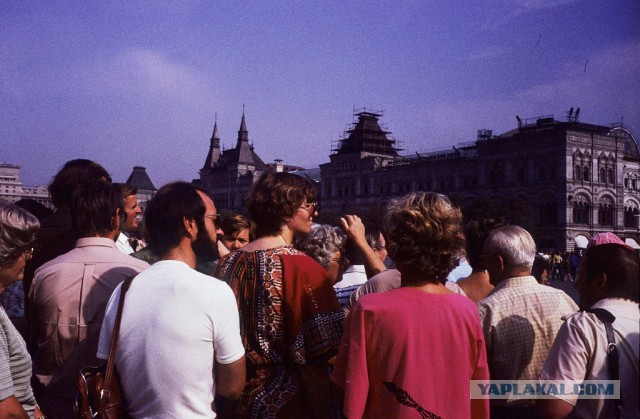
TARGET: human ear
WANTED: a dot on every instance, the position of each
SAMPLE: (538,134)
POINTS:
(190,226)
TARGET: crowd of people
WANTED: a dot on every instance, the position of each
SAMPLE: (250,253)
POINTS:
(270,315)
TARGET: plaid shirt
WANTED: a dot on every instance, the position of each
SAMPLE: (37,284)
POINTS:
(520,319)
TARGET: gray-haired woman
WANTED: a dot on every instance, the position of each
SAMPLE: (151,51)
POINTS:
(17,229)
(325,244)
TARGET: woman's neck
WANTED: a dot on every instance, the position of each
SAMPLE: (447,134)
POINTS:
(430,288)
(269,242)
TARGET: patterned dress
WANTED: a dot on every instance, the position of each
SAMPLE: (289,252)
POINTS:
(289,316)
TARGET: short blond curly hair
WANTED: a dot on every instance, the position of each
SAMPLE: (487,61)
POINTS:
(424,236)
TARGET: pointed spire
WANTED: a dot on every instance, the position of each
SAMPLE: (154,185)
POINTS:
(243,134)
(215,130)
(213,156)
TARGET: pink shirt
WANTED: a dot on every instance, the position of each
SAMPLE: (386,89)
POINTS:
(405,352)
(68,300)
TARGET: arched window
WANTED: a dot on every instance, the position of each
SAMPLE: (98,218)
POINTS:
(611,179)
(577,173)
(605,212)
(581,210)
(631,215)
(601,175)
(585,174)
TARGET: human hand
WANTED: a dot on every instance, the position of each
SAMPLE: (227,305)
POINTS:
(354,228)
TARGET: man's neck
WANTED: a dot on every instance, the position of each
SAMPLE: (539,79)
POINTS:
(182,253)
(113,235)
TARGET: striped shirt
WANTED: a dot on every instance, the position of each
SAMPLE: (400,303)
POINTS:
(15,366)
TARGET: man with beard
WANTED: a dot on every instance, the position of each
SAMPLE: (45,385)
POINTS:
(179,341)
(69,295)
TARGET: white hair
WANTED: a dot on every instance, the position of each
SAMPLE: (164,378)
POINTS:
(514,244)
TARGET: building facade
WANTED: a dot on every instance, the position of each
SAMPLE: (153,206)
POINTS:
(228,174)
(575,179)
(12,190)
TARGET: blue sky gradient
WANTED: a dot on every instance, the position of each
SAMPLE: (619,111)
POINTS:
(140,82)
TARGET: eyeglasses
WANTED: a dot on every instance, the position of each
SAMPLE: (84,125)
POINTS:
(27,253)
(311,207)
(215,218)
(342,260)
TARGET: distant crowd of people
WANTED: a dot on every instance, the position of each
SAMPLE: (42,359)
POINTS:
(264,313)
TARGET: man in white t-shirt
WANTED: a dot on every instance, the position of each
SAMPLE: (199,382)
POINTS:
(179,341)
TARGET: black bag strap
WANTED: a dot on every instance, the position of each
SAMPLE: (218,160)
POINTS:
(115,334)
(613,358)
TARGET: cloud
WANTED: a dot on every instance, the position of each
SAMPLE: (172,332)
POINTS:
(526,6)
(486,53)
(143,73)
(513,9)
(605,91)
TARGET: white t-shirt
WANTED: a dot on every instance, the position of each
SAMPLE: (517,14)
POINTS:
(175,322)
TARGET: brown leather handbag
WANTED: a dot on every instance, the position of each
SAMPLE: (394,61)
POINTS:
(99,391)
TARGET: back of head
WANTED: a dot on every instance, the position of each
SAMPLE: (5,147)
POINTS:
(93,206)
(476,232)
(231,224)
(620,264)
(514,244)
(275,197)
(165,214)
(424,235)
(321,243)
(70,176)
(17,230)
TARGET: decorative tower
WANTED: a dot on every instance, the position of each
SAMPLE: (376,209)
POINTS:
(243,148)
(213,157)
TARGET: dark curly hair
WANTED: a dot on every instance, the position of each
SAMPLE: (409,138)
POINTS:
(424,236)
(275,197)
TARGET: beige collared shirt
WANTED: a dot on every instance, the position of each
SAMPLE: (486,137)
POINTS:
(68,299)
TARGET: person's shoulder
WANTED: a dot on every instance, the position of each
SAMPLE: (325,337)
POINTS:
(129,260)
(301,262)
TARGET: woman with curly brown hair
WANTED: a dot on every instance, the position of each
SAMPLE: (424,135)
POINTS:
(415,348)
(290,320)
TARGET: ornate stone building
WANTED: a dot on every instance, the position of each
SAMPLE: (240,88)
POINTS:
(228,174)
(575,179)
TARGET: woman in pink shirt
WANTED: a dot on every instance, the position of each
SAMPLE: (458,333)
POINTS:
(411,352)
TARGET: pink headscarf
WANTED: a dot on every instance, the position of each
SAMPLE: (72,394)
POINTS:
(605,238)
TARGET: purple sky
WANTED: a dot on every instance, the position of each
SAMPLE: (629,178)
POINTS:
(139,82)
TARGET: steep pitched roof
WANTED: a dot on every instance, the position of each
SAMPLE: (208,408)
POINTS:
(367,135)
(140,180)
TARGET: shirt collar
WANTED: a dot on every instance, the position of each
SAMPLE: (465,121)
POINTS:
(518,281)
(95,241)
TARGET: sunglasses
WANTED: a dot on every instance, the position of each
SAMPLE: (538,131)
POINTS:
(215,218)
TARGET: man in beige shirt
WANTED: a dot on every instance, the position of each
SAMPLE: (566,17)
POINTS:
(69,295)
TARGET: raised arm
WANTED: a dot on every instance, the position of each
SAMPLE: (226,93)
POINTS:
(354,228)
